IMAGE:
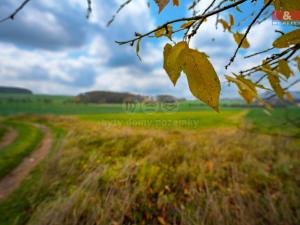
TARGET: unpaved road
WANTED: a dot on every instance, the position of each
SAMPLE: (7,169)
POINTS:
(8,138)
(11,181)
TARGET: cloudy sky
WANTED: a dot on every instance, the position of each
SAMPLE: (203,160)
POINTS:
(52,48)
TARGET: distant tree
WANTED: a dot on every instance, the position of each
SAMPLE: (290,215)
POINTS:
(203,81)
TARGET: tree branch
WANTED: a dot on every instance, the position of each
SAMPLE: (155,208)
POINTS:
(182,19)
(13,15)
(258,53)
(117,12)
(247,31)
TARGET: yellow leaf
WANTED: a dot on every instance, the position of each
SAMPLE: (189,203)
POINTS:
(169,32)
(160,32)
(187,24)
(231,20)
(224,24)
(176,2)
(289,97)
(210,165)
(138,48)
(297,60)
(283,67)
(164,32)
(161,220)
(274,81)
(247,89)
(238,38)
(172,64)
(202,78)
(286,4)
(291,38)
(162,4)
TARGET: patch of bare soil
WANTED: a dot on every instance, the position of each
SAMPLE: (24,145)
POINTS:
(11,181)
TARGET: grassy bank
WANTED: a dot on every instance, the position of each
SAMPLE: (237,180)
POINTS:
(27,139)
(17,207)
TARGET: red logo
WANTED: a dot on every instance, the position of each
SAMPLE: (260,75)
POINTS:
(286,15)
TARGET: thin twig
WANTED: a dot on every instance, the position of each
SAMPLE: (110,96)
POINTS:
(196,28)
(286,88)
(258,53)
(183,19)
(117,12)
(13,15)
(247,31)
(89,8)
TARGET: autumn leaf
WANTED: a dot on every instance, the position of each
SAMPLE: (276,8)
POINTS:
(247,89)
(162,4)
(289,97)
(161,220)
(285,4)
(238,38)
(297,60)
(138,49)
(187,24)
(169,32)
(172,63)
(283,68)
(231,20)
(161,32)
(291,38)
(202,78)
(176,2)
(224,24)
(274,81)
(164,32)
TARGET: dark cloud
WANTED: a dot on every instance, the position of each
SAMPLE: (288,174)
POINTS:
(40,27)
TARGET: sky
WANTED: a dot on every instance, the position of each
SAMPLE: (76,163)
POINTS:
(51,48)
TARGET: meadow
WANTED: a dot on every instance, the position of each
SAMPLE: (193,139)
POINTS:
(189,166)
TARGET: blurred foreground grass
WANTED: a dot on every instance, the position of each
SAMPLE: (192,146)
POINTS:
(117,174)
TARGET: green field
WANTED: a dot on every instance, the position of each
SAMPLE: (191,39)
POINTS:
(193,166)
(13,104)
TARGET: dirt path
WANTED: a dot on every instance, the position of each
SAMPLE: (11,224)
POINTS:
(8,138)
(11,181)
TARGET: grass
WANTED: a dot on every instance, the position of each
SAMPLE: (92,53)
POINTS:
(281,121)
(177,120)
(15,209)
(27,139)
(14,104)
(124,175)
(3,130)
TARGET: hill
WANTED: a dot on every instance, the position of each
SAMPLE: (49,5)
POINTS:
(108,97)
(14,90)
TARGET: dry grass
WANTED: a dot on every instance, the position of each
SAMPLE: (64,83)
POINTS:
(126,175)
